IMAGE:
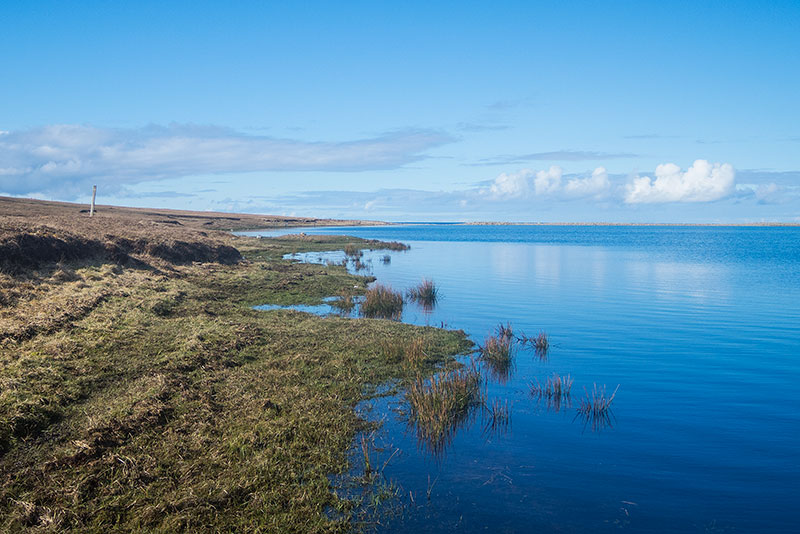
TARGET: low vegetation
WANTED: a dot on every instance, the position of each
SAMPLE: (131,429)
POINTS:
(498,416)
(148,395)
(440,405)
(382,302)
(540,344)
(595,407)
(426,294)
(497,349)
(555,391)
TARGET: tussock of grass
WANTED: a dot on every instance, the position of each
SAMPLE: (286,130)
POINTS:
(595,407)
(344,303)
(554,387)
(497,353)
(381,302)
(505,331)
(438,406)
(497,349)
(540,343)
(426,293)
(555,392)
(353,251)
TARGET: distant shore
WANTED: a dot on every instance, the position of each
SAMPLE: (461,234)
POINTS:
(489,223)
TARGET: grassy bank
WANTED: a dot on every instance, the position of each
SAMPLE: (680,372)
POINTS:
(146,394)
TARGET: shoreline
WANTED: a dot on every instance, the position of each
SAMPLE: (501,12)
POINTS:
(143,392)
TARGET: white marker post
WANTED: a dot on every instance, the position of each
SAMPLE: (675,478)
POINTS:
(94,194)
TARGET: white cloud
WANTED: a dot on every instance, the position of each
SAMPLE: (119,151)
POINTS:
(549,181)
(595,185)
(702,182)
(529,183)
(512,185)
(61,157)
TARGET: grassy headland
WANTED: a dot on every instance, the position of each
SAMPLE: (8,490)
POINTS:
(140,391)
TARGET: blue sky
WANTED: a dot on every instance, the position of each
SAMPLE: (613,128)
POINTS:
(517,111)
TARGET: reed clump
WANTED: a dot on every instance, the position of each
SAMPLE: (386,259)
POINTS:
(440,405)
(496,349)
(498,416)
(426,293)
(381,302)
(595,408)
(555,391)
(505,331)
(540,343)
(353,251)
(344,303)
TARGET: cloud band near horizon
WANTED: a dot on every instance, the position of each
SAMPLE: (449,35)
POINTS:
(67,157)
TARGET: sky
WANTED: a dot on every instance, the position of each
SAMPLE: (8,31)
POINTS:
(408,111)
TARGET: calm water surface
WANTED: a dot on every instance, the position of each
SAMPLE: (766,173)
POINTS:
(699,327)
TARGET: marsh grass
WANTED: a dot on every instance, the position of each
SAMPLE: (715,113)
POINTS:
(540,343)
(359,265)
(415,352)
(381,302)
(555,391)
(497,353)
(344,303)
(497,349)
(498,417)
(125,407)
(505,331)
(440,405)
(425,293)
(595,408)
(353,251)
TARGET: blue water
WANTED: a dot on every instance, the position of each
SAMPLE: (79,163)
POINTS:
(699,327)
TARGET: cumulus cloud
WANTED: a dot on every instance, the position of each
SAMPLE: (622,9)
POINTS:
(702,182)
(595,185)
(549,181)
(529,183)
(63,156)
(512,185)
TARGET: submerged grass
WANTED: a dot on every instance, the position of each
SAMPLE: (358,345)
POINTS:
(438,406)
(595,407)
(425,293)
(141,399)
(498,416)
(555,392)
(381,302)
(498,354)
(540,344)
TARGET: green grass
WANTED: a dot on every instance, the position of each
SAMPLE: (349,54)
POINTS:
(425,293)
(382,302)
(438,406)
(170,404)
(497,352)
